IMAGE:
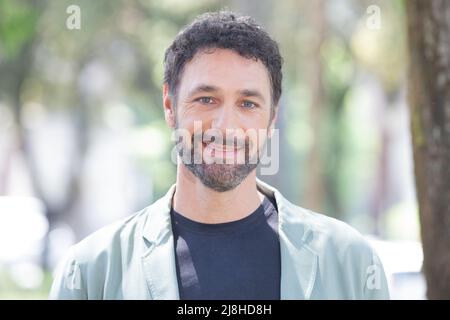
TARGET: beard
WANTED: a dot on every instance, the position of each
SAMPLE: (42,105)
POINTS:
(220,177)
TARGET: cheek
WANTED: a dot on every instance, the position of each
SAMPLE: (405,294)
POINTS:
(257,141)
(261,130)
(256,124)
(256,118)
(189,116)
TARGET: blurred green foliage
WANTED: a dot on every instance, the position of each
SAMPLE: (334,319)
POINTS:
(9,288)
(123,42)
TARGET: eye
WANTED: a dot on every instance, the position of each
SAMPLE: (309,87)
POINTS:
(248,104)
(205,100)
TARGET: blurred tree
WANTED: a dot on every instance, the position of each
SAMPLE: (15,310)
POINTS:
(429,98)
(17,36)
(315,192)
(18,42)
(116,58)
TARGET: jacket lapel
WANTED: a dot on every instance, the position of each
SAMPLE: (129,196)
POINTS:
(298,268)
(159,258)
(298,259)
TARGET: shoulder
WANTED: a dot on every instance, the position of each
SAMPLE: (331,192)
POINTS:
(109,239)
(324,233)
(99,258)
(342,252)
(315,230)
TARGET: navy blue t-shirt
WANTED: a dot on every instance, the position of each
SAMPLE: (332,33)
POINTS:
(233,260)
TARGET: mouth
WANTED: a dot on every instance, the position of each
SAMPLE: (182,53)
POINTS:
(220,150)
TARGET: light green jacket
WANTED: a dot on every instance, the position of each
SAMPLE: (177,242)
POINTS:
(321,258)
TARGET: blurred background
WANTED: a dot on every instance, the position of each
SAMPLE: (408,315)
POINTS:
(83,141)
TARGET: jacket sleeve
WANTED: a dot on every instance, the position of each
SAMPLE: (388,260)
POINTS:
(68,280)
(376,285)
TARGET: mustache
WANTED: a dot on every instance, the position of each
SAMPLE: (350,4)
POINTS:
(220,139)
(189,145)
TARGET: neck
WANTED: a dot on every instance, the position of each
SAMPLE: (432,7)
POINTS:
(197,202)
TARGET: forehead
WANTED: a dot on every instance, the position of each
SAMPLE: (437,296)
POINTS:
(226,70)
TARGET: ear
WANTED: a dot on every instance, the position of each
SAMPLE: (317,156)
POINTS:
(169,107)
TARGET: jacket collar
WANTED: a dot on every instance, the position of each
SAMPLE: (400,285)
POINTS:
(298,260)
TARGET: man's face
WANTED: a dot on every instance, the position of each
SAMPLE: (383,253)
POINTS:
(224,106)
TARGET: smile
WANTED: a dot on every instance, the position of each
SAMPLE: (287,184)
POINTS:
(220,150)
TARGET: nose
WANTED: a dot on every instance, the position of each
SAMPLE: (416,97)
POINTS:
(226,124)
(225,119)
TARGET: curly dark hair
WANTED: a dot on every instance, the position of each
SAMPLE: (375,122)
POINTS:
(223,30)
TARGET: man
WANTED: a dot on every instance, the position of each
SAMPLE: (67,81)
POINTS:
(219,232)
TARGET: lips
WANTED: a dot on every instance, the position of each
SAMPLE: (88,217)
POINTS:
(221,147)
(215,150)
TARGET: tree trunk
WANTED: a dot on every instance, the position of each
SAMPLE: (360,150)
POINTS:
(429,100)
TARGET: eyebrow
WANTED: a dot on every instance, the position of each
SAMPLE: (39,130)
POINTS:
(209,88)
(252,93)
(202,88)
